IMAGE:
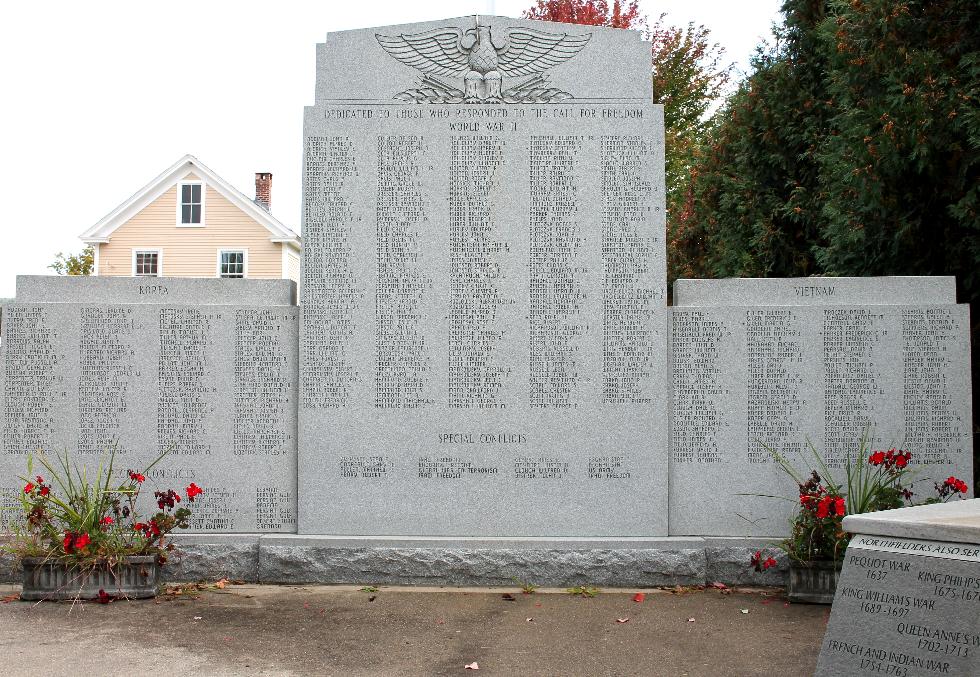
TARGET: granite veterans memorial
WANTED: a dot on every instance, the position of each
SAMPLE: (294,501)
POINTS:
(482,378)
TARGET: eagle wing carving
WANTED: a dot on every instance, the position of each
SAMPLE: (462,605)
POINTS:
(529,52)
(436,52)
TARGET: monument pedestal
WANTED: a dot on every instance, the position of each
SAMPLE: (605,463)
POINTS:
(908,598)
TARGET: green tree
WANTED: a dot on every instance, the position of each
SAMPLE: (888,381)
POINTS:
(901,168)
(82,263)
(754,202)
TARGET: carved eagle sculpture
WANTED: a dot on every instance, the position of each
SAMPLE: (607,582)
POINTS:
(482,62)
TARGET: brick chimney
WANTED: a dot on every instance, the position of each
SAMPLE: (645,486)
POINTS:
(263,190)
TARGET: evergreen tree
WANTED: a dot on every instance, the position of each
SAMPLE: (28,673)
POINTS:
(901,169)
(753,207)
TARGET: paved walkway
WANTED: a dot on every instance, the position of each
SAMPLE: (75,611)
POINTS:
(340,630)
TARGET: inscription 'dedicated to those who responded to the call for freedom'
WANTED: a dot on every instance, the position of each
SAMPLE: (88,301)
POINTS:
(484,312)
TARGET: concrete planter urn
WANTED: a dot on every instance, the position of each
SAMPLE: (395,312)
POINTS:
(814,583)
(135,577)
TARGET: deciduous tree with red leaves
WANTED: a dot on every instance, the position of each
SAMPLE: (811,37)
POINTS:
(588,13)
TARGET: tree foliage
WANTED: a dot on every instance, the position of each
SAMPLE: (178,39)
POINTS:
(852,149)
(753,208)
(82,263)
(588,12)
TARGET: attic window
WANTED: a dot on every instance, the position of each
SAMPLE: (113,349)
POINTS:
(191,207)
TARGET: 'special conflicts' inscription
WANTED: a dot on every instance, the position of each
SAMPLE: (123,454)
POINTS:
(905,607)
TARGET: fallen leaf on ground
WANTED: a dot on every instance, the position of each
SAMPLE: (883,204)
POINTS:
(197,618)
(622,620)
(718,585)
(440,622)
(507,597)
(639,597)
(236,581)
(104,597)
(690,620)
(528,620)
(744,611)
(11,598)
(472,666)
(537,604)
(221,583)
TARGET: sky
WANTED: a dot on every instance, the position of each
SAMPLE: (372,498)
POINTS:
(100,97)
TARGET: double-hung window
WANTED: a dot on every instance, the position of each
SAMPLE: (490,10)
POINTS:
(146,262)
(231,263)
(191,204)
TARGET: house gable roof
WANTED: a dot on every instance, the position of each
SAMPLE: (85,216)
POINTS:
(101,231)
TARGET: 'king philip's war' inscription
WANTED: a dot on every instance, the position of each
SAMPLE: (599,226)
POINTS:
(483,322)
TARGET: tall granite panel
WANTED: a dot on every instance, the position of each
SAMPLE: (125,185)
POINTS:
(909,604)
(816,291)
(213,386)
(483,325)
(744,378)
(155,290)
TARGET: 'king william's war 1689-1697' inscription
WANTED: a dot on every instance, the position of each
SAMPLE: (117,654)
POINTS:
(214,386)
(483,322)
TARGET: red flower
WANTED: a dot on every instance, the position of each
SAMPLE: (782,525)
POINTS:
(29,487)
(45,491)
(823,508)
(902,460)
(105,521)
(192,491)
(136,477)
(69,538)
(839,507)
(139,526)
(769,563)
(40,480)
(104,597)
(81,541)
(956,484)
(877,458)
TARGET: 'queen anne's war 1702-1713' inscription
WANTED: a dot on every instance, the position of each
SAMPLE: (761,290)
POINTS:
(213,386)
(483,330)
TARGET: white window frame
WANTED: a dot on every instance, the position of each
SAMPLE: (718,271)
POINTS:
(146,250)
(229,250)
(180,190)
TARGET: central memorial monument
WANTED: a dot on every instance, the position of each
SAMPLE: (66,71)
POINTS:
(483,335)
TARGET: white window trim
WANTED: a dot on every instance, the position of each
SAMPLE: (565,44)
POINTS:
(180,190)
(95,259)
(159,253)
(244,250)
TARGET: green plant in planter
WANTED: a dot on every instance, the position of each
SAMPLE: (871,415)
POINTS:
(85,522)
(873,481)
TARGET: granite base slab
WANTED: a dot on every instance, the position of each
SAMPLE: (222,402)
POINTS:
(214,556)
(552,562)
(729,561)
(428,561)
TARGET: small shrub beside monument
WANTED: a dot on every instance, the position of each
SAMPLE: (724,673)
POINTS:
(85,538)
